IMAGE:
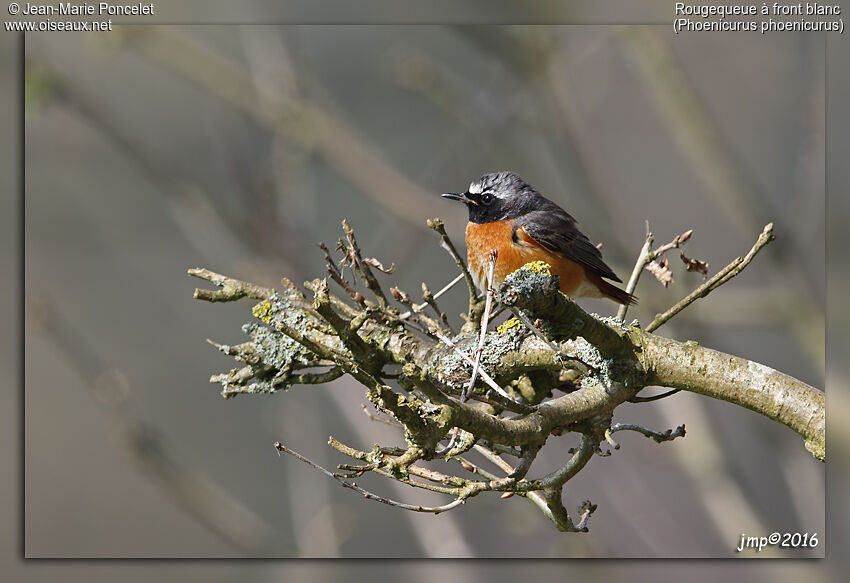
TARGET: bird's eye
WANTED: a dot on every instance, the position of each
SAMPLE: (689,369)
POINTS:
(487,198)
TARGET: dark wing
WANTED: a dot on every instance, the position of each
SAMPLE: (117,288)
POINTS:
(556,230)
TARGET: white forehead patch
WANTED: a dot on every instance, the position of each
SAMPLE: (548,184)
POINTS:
(475,187)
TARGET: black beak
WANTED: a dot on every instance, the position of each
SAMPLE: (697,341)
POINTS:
(459,197)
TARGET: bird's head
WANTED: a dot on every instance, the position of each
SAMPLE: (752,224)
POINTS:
(497,197)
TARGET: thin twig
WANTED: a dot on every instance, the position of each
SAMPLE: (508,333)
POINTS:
(335,274)
(724,275)
(404,459)
(318,378)
(642,260)
(430,300)
(663,395)
(362,267)
(420,321)
(231,289)
(455,431)
(474,468)
(530,325)
(658,436)
(536,497)
(485,320)
(377,419)
(419,307)
(483,373)
(646,256)
(498,403)
(366,494)
(474,300)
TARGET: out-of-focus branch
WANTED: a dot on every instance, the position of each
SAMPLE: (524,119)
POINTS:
(196,493)
(305,122)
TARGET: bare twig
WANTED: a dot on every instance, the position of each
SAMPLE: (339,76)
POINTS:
(721,277)
(395,469)
(429,300)
(315,378)
(335,274)
(658,436)
(646,256)
(419,320)
(483,373)
(663,395)
(534,330)
(231,289)
(415,308)
(377,419)
(642,260)
(366,494)
(444,450)
(485,320)
(362,266)
(475,305)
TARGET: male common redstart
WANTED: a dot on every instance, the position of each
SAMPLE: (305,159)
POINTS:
(508,215)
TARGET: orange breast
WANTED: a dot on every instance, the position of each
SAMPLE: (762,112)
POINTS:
(498,235)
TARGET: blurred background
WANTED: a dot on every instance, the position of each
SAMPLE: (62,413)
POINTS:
(154,149)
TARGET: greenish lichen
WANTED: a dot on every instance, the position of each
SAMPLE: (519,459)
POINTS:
(276,354)
(508,325)
(538,267)
(453,370)
(530,279)
(263,311)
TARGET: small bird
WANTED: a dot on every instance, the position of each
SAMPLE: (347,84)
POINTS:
(507,215)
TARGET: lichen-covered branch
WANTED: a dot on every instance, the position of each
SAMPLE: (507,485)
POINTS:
(691,367)
(556,370)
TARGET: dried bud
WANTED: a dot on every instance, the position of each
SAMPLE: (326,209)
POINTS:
(399,295)
(695,265)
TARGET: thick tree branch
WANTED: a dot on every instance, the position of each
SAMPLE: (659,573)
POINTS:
(691,367)
(596,363)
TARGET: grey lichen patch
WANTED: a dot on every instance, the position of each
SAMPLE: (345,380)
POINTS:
(275,352)
(529,280)
(453,370)
(605,371)
(496,345)
(247,380)
(614,322)
(275,349)
(590,355)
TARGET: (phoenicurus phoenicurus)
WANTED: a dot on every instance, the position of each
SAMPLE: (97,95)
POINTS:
(507,215)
